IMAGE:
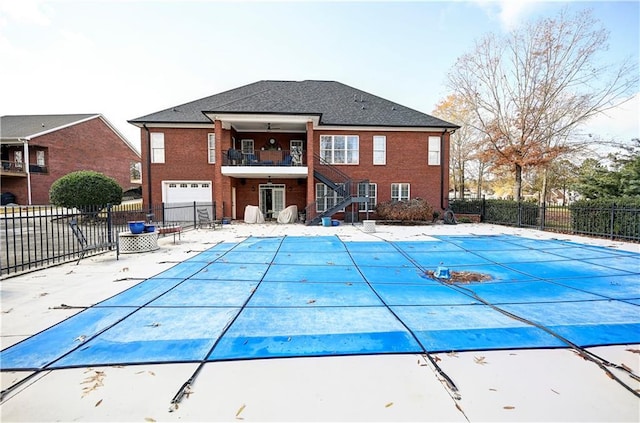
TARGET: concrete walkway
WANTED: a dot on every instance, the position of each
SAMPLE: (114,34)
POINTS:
(513,385)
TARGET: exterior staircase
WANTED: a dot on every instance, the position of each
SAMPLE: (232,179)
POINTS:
(339,183)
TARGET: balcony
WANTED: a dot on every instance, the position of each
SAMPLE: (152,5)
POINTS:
(264,163)
(10,168)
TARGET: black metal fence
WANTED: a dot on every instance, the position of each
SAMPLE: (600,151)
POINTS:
(621,222)
(40,236)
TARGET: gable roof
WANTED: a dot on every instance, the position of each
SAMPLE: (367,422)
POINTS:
(335,104)
(29,126)
(26,127)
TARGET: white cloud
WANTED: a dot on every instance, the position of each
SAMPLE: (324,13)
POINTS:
(510,13)
(23,12)
(619,124)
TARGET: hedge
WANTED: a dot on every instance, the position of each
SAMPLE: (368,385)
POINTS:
(597,216)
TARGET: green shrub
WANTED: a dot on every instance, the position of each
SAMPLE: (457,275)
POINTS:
(466,206)
(506,212)
(596,217)
(85,190)
(415,209)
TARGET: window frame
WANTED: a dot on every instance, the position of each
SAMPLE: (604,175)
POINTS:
(331,154)
(157,147)
(434,154)
(244,143)
(334,198)
(370,206)
(211,147)
(400,196)
(382,152)
(41,158)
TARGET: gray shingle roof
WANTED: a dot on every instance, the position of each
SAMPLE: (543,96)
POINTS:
(335,103)
(24,126)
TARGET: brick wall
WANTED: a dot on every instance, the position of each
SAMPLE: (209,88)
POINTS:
(90,145)
(186,158)
(186,152)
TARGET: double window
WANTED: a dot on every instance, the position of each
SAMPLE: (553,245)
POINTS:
(372,193)
(157,147)
(340,149)
(400,192)
(326,198)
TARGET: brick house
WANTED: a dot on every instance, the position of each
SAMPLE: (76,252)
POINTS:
(36,150)
(328,148)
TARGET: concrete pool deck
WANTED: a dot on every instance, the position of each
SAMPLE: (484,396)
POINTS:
(508,385)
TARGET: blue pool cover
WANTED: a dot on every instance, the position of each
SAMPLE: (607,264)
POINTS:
(318,296)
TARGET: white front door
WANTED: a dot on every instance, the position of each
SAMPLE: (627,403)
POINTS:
(272,199)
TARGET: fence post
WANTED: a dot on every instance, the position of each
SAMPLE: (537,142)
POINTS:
(195,219)
(109,226)
(612,219)
(543,215)
(483,209)
(164,214)
(519,214)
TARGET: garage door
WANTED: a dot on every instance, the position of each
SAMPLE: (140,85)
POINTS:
(187,192)
(179,196)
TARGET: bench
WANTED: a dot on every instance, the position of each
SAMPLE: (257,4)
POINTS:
(171,229)
(84,244)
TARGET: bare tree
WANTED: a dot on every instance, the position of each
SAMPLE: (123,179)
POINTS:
(533,88)
(464,143)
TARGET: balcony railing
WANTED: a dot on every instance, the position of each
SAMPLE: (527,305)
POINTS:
(19,167)
(13,167)
(234,157)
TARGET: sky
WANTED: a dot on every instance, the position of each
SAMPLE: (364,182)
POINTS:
(126,59)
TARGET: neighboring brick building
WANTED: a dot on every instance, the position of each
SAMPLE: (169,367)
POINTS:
(36,150)
(319,145)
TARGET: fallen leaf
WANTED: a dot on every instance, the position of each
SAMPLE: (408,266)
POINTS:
(81,338)
(555,392)
(125,269)
(151,373)
(98,403)
(240,410)
(480,360)
(311,301)
(149,419)
(627,368)
(436,358)
(44,294)
(8,311)
(633,350)
(509,407)
(452,354)
(493,389)
(389,404)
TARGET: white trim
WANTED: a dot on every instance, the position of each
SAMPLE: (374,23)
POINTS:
(261,118)
(57,128)
(122,137)
(176,125)
(348,128)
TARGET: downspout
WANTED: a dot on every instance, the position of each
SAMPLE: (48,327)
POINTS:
(442,170)
(25,152)
(148,165)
